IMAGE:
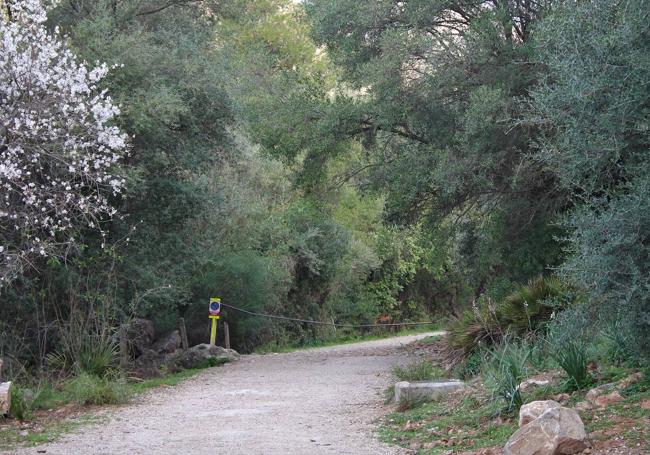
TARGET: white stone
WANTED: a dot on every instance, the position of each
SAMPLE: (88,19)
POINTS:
(558,431)
(5,398)
(529,384)
(533,410)
(425,389)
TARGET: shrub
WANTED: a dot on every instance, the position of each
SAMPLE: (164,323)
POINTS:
(572,358)
(470,366)
(528,307)
(619,344)
(418,371)
(95,355)
(504,369)
(19,407)
(98,358)
(89,389)
(522,312)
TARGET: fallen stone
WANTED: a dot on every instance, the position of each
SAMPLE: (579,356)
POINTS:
(531,411)
(140,334)
(600,390)
(202,355)
(558,431)
(583,406)
(5,398)
(607,400)
(425,389)
(562,398)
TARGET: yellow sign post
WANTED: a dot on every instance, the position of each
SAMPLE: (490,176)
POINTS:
(214,311)
(213,330)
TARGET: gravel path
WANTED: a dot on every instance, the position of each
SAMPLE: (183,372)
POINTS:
(317,401)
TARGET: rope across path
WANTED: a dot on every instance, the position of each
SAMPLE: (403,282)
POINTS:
(332,324)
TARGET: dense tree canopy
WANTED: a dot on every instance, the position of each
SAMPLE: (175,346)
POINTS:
(332,160)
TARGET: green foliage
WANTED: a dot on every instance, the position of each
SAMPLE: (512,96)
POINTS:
(529,306)
(619,344)
(19,407)
(346,160)
(521,313)
(470,366)
(83,352)
(87,389)
(592,110)
(572,358)
(503,370)
(418,371)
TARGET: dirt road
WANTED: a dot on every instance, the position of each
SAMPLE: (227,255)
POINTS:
(317,401)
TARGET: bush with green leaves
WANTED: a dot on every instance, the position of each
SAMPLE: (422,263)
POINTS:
(504,369)
(572,357)
(86,389)
(522,313)
(592,111)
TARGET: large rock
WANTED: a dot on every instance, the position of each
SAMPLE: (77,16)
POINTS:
(425,390)
(557,431)
(140,334)
(5,398)
(202,355)
(531,411)
(168,344)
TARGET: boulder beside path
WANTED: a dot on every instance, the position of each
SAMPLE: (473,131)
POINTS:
(202,355)
(556,431)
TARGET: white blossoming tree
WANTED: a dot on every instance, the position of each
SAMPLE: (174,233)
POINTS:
(58,148)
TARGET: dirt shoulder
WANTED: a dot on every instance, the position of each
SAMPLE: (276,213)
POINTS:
(322,400)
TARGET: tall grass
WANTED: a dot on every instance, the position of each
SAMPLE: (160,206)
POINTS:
(90,389)
(418,371)
(504,369)
(573,359)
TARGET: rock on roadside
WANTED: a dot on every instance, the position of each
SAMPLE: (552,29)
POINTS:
(168,344)
(200,355)
(533,410)
(140,334)
(5,398)
(427,390)
(557,431)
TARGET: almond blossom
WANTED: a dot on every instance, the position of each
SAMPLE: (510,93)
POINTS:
(59,148)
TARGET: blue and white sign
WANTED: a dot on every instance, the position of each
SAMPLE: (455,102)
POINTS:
(215,306)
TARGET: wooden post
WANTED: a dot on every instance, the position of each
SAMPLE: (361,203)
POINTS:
(183,332)
(226,335)
(124,349)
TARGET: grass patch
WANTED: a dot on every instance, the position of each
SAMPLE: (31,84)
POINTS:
(438,427)
(47,431)
(418,371)
(87,389)
(165,381)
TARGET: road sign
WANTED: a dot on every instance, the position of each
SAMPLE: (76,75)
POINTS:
(215,306)
(214,310)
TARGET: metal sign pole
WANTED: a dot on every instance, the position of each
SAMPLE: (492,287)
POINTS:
(213,330)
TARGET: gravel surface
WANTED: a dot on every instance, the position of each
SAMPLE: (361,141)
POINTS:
(316,401)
